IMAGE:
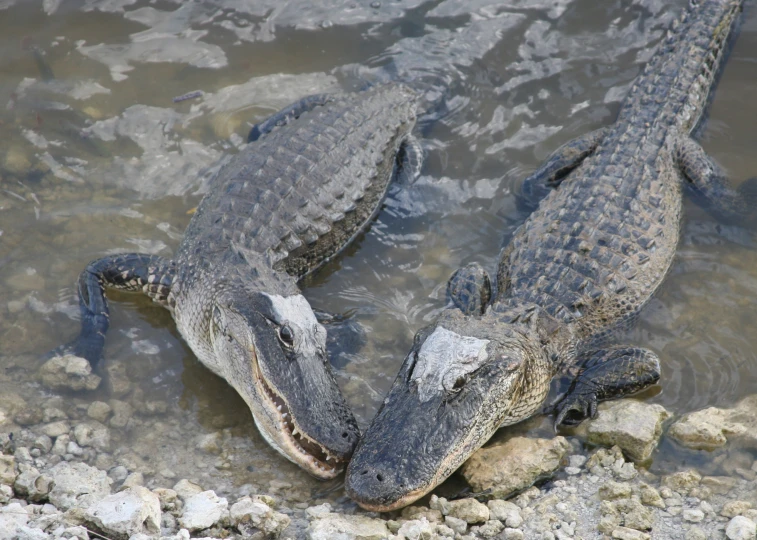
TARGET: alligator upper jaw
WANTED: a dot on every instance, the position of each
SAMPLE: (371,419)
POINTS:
(282,431)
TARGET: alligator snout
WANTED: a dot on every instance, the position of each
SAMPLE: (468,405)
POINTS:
(375,488)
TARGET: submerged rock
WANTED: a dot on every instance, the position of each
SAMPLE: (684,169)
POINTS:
(712,427)
(517,464)
(68,372)
(132,511)
(632,425)
(340,527)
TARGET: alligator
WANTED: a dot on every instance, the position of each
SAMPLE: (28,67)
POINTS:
(311,180)
(574,275)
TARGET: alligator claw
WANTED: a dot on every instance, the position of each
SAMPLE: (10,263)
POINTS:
(582,406)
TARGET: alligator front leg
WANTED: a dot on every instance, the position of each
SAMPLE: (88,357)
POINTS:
(470,289)
(557,166)
(606,374)
(285,115)
(150,274)
(409,161)
(710,186)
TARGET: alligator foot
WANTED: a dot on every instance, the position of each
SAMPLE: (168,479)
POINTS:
(287,114)
(557,166)
(710,187)
(606,374)
(409,161)
(470,289)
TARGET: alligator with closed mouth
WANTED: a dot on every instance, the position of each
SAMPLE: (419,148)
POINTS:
(312,178)
(575,273)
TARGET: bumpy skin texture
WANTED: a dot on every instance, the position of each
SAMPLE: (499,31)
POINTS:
(311,181)
(579,269)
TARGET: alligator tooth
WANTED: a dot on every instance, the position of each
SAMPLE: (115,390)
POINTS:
(294,431)
(284,415)
(279,408)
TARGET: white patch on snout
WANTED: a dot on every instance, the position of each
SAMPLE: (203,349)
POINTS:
(295,311)
(444,357)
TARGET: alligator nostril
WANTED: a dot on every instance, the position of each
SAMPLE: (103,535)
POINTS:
(363,473)
(345,435)
(379,477)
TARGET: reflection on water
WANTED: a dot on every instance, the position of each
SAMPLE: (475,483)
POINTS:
(97,158)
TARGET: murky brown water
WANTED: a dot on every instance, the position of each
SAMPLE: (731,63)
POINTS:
(99,160)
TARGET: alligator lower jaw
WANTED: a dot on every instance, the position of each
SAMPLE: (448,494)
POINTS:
(297,446)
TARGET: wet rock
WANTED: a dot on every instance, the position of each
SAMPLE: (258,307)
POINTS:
(741,528)
(99,410)
(29,416)
(43,443)
(210,443)
(719,484)
(490,529)
(253,512)
(614,490)
(514,465)
(118,381)
(132,511)
(122,412)
(202,510)
(469,510)
(344,527)
(632,425)
(7,470)
(712,427)
(185,489)
(12,517)
(683,481)
(93,434)
(6,493)
(133,480)
(77,484)
(693,515)
(68,372)
(419,512)
(650,496)
(695,533)
(513,534)
(506,512)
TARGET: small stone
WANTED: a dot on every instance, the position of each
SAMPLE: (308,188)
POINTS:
(439,503)
(167,498)
(345,527)
(135,479)
(99,410)
(513,534)
(7,470)
(735,508)
(506,512)
(43,443)
(456,524)
(719,484)
(741,528)
(185,489)
(32,485)
(632,425)
(122,412)
(490,529)
(55,429)
(416,529)
(316,512)
(202,510)
(514,465)
(118,473)
(133,511)
(469,510)
(694,515)
(255,513)
(210,443)
(624,533)
(6,493)
(12,517)
(695,533)
(683,481)
(117,379)
(68,372)
(92,434)
(650,496)
(614,490)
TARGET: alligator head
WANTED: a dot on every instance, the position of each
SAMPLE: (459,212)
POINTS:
(466,376)
(272,350)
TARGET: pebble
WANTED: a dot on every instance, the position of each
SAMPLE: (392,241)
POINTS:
(632,425)
(741,528)
(135,510)
(68,372)
(694,515)
(202,510)
(469,510)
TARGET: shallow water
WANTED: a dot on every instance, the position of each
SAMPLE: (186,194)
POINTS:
(99,159)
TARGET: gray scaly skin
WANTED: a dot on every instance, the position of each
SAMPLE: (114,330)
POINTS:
(312,180)
(578,270)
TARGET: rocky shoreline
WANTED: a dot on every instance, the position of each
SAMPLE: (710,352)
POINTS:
(66,474)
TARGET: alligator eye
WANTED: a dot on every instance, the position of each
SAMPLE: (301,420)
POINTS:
(459,383)
(286,335)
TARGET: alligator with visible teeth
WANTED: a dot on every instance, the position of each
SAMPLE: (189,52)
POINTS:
(581,267)
(313,177)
